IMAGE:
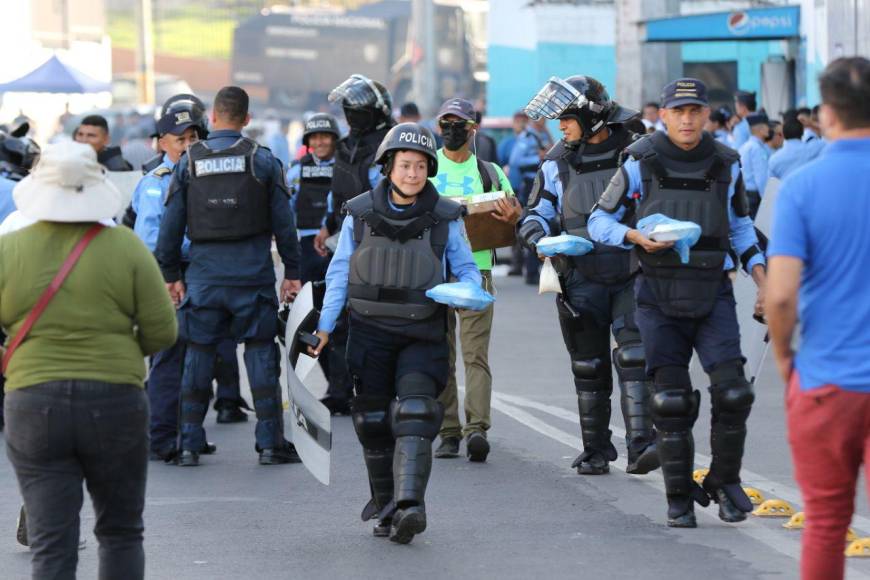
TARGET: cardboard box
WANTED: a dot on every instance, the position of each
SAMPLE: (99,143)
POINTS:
(484,231)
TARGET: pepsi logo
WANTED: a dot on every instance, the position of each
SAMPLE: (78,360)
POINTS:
(738,22)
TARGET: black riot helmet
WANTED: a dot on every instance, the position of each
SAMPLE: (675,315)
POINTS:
(407,137)
(320,123)
(18,155)
(367,104)
(581,98)
(180,112)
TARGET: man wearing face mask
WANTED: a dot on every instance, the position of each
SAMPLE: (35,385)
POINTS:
(368,108)
(597,296)
(462,173)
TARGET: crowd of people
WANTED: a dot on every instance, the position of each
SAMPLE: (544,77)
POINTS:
(376,216)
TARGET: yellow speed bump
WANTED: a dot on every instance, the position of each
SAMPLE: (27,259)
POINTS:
(699,475)
(859,548)
(774,508)
(797,522)
(755,496)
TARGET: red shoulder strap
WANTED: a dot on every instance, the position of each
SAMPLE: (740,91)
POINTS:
(49,292)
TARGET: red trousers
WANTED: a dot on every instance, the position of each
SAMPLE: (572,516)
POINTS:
(829,434)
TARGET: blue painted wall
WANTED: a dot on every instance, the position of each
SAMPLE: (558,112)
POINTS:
(749,57)
(516,74)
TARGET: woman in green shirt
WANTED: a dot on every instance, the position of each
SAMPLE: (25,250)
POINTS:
(75,406)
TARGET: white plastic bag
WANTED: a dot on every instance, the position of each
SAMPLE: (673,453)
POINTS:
(660,228)
(549,279)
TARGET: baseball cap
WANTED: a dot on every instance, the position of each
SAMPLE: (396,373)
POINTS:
(459,107)
(685,91)
(175,122)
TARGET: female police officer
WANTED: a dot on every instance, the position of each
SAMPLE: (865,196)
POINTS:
(397,242)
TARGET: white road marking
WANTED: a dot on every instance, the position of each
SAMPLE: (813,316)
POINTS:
(786,544)
(773,488)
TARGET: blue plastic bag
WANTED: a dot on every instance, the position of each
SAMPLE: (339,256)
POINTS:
(461,295)
(564,244)
(660,228)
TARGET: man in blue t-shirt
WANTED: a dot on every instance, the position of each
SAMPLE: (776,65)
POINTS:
(819,272)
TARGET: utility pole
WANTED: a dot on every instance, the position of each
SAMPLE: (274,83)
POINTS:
(424,80)
(145,53)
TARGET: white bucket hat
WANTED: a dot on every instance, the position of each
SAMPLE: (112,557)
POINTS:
(68,185)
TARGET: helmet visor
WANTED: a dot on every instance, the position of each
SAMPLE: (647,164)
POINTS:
(357,91)
(554,99)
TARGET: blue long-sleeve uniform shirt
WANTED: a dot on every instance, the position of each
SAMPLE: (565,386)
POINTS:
(753,157)
(544,211)
(793,155)
(7,204)
(525,155)
(457,254)
(294,175)
(149,199)
(740,134)
(245,262)
(604,227)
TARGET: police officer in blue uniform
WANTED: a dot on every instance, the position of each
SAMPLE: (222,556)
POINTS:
(310,182)
(597,288)
(397,347)
(181,125)
(744,105)
(687,175)
(754,155)
(368,107)
(230,196)
(528,153)
(795,152)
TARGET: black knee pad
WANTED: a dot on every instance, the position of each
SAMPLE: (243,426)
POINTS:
(418,416)
(675,409)
(371,421)
(592,375)
(630,362)
(731,394)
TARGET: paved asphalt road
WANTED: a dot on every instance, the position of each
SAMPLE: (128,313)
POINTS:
(524,514)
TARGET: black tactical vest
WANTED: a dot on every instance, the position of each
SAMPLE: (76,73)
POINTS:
(398,257)
(315,182)
(225,200)
(352,164)
(582,186)
(691,190)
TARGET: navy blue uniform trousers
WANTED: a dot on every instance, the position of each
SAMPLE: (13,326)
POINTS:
(210,314)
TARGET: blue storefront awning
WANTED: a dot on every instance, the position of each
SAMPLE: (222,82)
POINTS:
(752,24)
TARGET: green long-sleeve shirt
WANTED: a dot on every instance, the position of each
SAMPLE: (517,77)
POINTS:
(110,313)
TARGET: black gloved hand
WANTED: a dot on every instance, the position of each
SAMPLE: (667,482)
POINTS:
(530,232)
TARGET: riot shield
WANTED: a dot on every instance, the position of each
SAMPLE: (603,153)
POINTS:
(310,420)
